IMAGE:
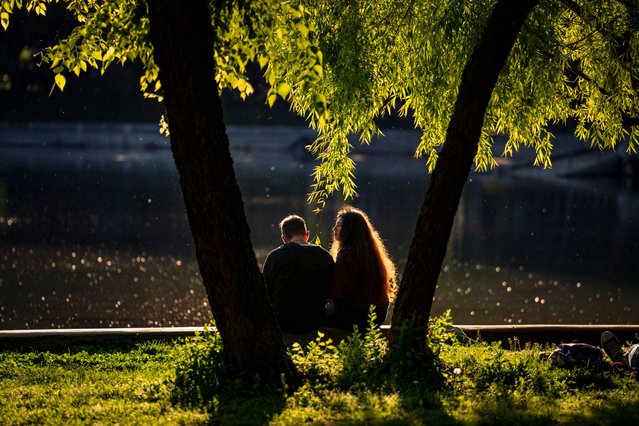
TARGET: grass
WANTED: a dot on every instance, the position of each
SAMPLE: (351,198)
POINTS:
(91,385)
(356,382)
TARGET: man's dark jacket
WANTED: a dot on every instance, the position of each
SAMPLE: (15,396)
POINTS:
(297,277)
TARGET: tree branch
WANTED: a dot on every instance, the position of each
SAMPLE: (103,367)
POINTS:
(620,45)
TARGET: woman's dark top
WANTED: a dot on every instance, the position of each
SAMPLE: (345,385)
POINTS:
(354,290)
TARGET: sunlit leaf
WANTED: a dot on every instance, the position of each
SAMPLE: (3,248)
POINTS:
(4,20)
(271,99)
(283,90)
(60,81)
(303,29)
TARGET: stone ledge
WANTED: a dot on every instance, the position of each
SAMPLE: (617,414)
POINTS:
(62,339)
(551,333)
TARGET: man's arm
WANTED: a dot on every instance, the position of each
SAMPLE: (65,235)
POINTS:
(268,273)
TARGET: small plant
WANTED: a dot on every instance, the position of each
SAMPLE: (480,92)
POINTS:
(199,369)
(440,332)
(362,355)
(350,364)
(318,362)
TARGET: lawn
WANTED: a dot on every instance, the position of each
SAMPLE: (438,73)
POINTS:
(357,381)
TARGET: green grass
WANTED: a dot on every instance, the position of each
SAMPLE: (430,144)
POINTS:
(356,382)
(91,385)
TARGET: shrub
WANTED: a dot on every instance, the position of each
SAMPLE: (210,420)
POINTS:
(199,370)
(363,356)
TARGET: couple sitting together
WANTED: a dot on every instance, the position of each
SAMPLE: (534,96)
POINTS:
(311,288)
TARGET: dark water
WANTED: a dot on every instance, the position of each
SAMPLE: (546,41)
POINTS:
(92,238)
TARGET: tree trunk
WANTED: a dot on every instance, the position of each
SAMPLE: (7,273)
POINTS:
(183,40)
(435,221)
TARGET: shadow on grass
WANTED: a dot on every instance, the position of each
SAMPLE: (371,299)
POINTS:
(505,409)
(424,409)
(421,390)
(247,408)
(508,410)
(613,413)
(411,409)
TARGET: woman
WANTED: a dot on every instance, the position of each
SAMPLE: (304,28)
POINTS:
(364,273)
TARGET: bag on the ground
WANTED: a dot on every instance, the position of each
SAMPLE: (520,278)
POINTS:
(570,355)
(632,357)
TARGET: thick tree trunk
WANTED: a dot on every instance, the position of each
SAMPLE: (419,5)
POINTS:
(182,38)
(435,222)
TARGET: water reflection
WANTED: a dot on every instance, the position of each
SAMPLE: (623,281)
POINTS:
(99,238)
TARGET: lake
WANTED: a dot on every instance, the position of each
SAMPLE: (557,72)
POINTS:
(94,234)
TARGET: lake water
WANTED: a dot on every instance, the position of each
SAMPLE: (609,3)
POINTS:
(96,236)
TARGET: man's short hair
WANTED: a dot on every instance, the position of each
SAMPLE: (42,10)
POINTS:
(292,225)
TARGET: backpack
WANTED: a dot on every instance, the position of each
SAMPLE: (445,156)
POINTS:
(632,357)
(570,355)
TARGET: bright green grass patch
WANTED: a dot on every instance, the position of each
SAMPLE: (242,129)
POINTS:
(91,385)
(355,382)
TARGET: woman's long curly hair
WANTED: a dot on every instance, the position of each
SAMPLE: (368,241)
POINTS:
(359,236)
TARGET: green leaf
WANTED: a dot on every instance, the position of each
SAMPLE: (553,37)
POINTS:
(233,80)
(283,90)
(109,54)
(270,77)
(4,20)
(60,81)
(302,29)
(271,99)
(319,103)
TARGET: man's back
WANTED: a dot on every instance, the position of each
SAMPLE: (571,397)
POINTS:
(297,277)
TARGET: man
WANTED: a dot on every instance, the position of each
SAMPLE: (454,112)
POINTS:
(297,275)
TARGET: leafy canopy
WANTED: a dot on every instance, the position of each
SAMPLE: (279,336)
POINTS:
(343,64)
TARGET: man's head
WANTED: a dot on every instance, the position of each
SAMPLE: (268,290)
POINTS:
(293,227)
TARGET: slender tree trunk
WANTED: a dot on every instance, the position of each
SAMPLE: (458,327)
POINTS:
(428,248)
(182,37)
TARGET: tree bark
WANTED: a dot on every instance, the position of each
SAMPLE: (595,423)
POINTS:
(183,41)
(428,248)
